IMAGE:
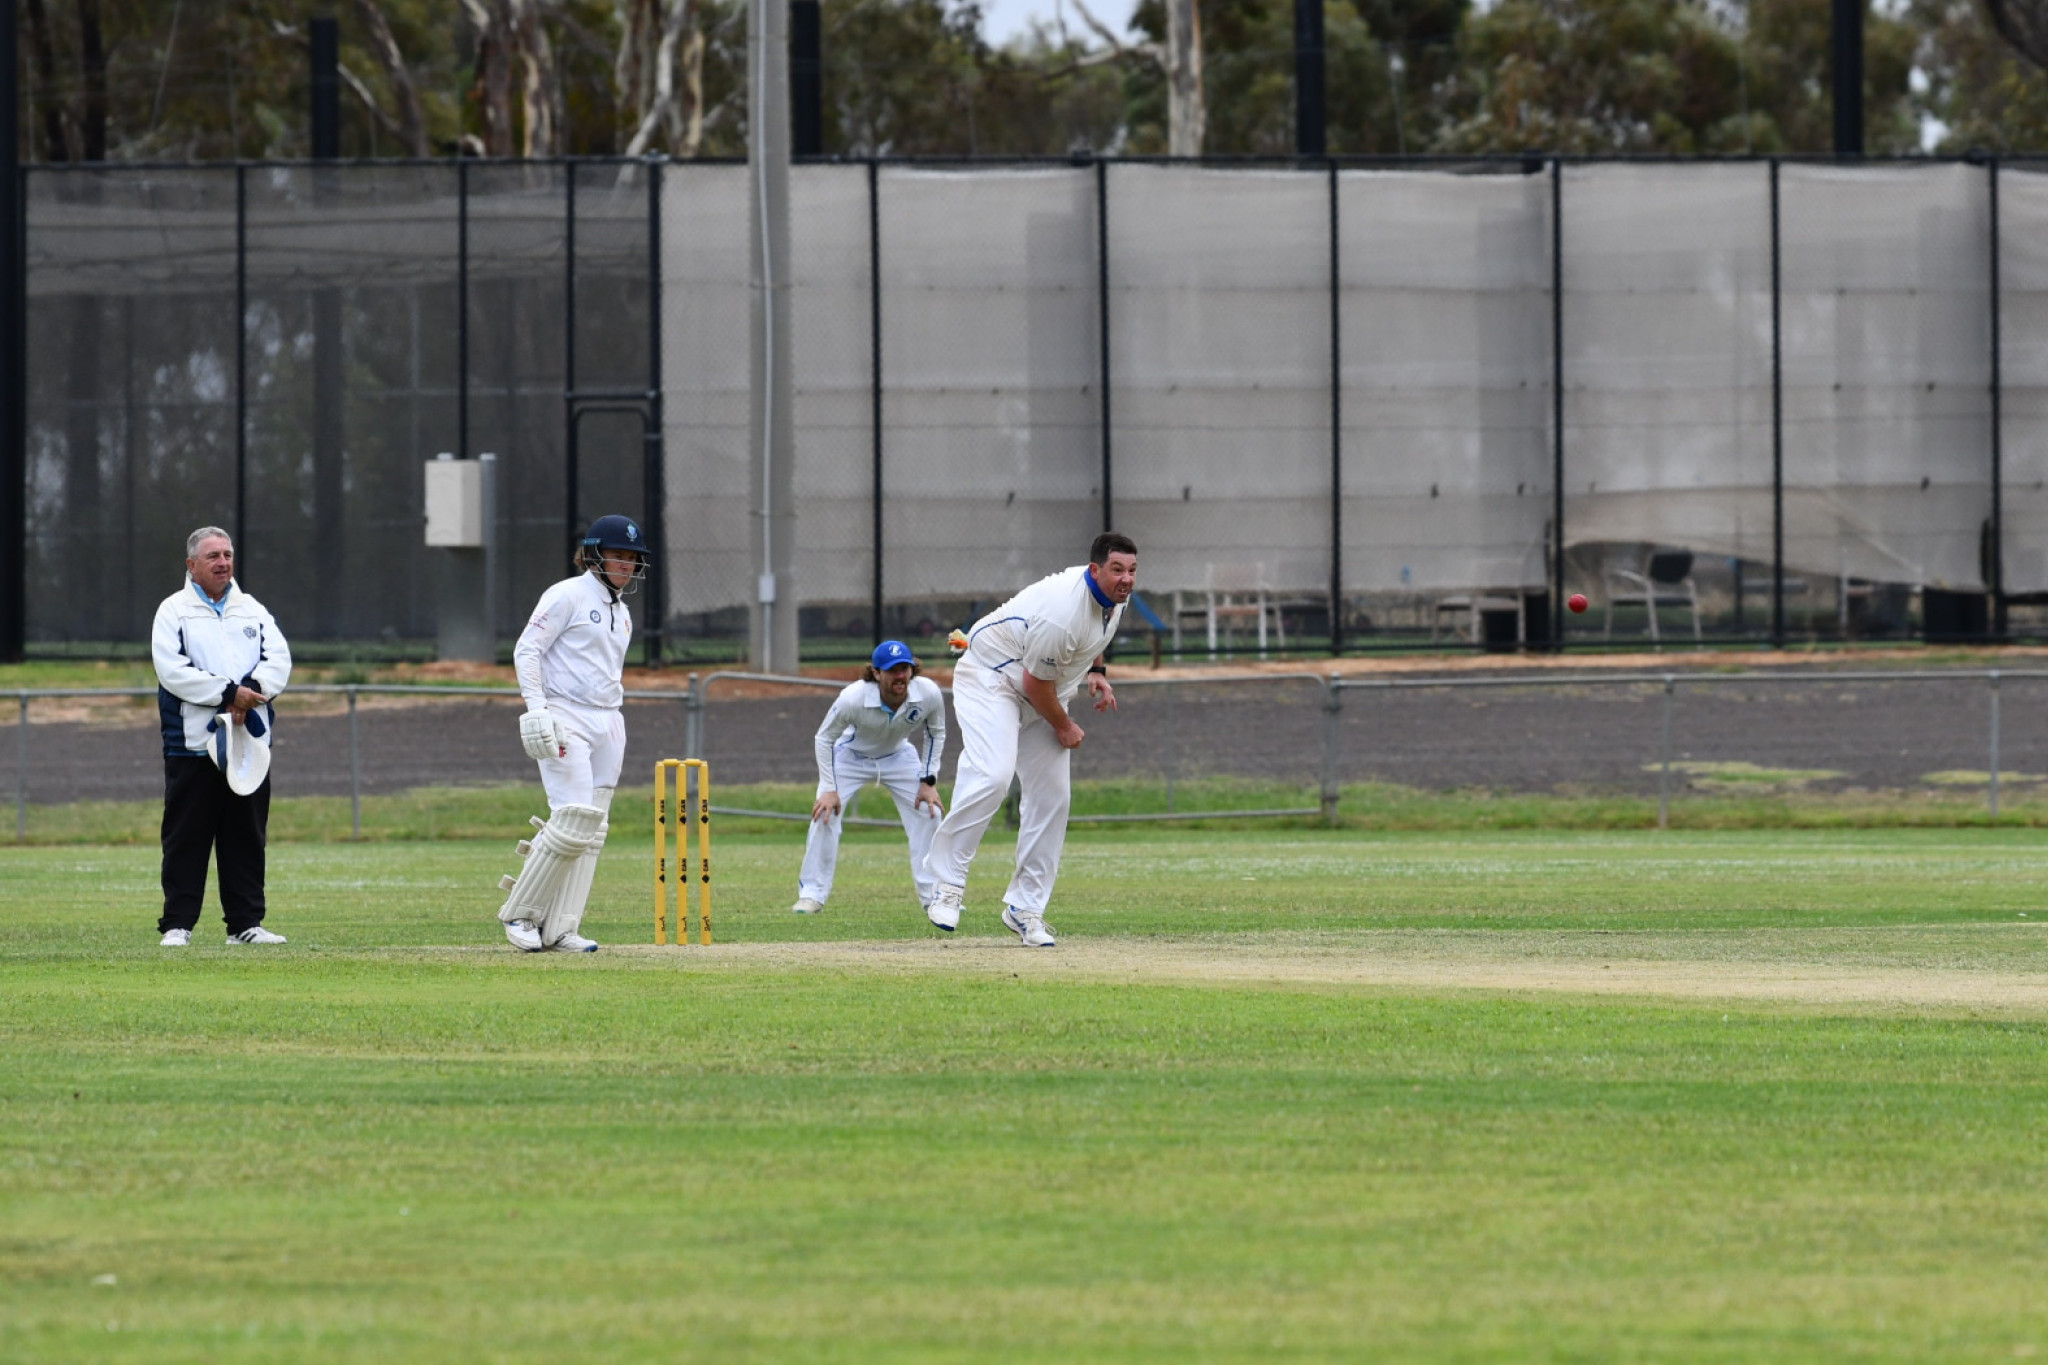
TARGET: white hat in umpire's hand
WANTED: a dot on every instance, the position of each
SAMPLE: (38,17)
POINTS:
(235,751)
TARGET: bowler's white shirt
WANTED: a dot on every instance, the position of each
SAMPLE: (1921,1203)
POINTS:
(574,646)
(1055,629)
(859,721)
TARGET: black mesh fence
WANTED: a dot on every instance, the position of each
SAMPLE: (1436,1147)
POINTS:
(1343,406)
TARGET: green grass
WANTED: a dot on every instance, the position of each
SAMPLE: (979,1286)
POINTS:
(392,1140)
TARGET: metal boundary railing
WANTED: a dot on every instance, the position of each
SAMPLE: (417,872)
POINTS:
(695,700)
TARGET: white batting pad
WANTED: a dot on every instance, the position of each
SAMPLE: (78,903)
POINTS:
(570,832)
(565,913)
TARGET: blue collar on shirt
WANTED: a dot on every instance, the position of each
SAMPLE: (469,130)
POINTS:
(220,607)
(1101,598)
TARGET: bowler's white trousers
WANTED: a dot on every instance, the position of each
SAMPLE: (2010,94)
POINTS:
(597,750)
(898,772)
(1001,736)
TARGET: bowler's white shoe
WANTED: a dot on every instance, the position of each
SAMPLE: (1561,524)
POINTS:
(1030,928)
(944,911)
(806,906)
(573,943)
(255,933)
(523,934)
(177,938)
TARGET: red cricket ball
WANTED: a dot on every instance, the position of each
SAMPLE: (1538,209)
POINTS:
(1577,601)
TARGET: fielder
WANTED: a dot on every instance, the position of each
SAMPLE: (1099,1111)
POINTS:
(1024,662)
(571,662)
(890,727)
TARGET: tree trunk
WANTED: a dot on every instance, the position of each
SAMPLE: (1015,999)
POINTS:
(1187,111)
(494,53)
(540,88)
(412,121)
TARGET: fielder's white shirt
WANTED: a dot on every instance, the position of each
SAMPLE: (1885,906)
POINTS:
(574,647)
(1055,629)
(859,721)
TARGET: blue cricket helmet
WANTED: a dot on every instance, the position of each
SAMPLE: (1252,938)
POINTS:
(614,532)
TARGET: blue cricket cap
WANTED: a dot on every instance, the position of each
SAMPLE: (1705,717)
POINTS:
(890,653)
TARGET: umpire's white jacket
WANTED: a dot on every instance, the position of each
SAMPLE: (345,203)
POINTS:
(204,650)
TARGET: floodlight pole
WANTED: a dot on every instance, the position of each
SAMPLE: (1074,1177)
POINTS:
(773,637)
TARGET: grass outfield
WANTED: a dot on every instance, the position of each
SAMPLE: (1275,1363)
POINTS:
(1279,1095)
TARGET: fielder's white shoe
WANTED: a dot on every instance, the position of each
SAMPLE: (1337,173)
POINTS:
(806,906)
(523,934)
(944,911)
(573,943)
(177,938)
(1030,928)
(255,933)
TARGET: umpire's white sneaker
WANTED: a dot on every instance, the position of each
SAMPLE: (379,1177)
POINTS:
(944,911)
(806,906)
(1030,928)
(523,934)
(177,938)
(255,933)
(573,943)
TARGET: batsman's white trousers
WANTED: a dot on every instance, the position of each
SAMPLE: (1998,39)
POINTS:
(1000,737)
(898,772)
(597,750)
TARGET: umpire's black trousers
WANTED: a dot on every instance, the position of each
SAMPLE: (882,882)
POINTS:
(201,817)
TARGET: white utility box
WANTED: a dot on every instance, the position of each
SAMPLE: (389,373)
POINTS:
(455,503)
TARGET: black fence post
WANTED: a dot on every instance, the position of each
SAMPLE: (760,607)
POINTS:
(461,307)
(13,355)
(241,359)
(654,441)
(572,455)
(1102,298)
(875,373)
(1848,76)
(1310,127)
(1777,426)
(1557,404)
(1336,422)
(806,79)
(1994,549)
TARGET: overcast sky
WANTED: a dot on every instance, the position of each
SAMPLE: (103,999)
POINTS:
(1002,20)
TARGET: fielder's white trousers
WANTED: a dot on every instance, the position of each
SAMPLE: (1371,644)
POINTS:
(597,750)
(1000,737)
(898,772)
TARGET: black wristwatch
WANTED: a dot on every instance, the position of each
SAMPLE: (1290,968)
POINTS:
(1103,669)
(929,781)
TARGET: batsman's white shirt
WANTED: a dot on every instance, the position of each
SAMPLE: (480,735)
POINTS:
(574,646)
(1055,628)
(859,722)
(571,659)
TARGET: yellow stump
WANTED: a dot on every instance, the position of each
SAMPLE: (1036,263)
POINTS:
(679,769)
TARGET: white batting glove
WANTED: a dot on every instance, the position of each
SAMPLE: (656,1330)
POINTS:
(541,735)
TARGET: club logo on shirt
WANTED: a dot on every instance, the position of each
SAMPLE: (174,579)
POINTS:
(249,631)
(594,617)
(909,714)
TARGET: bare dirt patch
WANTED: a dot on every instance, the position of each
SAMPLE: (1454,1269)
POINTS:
(1558,964)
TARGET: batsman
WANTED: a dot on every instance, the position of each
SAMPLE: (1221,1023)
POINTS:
(571,664)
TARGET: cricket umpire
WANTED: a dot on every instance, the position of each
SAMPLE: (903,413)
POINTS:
(220,661)
(1025,662)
